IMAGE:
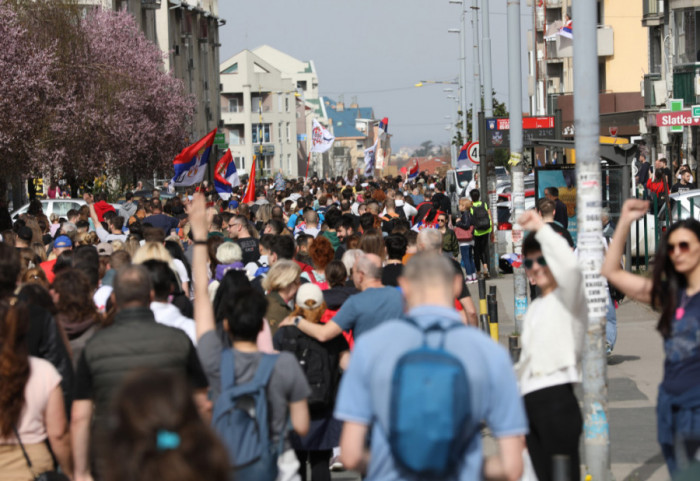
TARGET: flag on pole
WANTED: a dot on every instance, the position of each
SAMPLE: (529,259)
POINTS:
(226,176)
(370,158)
(464,152)
(321,139)
(413,173)
(250,191)
(191,164)
(383,127)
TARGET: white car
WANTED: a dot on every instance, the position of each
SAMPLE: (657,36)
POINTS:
(684,206)
(504,225)
(52,206)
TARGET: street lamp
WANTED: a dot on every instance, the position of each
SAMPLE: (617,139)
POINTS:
(463,63)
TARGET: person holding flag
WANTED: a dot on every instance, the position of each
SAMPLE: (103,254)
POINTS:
(370,159)
(383,128)
(413,173)
(191,164)
(321,141)
(226,176)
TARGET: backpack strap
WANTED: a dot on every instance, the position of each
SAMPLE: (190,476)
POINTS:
(262,374)
(434,326)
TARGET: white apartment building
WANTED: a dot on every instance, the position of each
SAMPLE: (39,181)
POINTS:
(259,114)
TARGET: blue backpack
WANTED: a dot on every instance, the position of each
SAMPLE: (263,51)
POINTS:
(241,420)
(430,408)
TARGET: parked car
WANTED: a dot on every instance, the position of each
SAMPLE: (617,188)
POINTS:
(59,207)
(504,224)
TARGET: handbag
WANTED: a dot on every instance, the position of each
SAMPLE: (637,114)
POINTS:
(464,235)
(46,475)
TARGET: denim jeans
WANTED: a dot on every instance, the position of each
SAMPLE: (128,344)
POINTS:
(611,323)
(467,259)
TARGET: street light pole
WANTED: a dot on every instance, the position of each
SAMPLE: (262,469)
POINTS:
(476,106)
(463,66)
(589,201)
(516,148)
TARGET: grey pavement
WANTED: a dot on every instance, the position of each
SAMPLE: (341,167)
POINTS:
(634,373)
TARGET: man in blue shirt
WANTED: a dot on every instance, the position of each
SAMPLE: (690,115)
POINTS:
(361,312)
(363,399)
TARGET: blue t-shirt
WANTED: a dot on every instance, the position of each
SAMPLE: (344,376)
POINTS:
(682,348)
(366,310)
(365,389)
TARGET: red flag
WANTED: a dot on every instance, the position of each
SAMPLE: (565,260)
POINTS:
(250,191)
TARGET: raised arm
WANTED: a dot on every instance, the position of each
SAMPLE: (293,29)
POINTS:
(203,310)
(633,286)
(99,230)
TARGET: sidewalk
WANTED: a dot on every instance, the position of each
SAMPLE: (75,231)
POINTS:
(634,373)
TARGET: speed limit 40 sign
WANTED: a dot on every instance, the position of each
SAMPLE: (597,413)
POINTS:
(473,152)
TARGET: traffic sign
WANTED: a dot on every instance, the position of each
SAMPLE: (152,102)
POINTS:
(473,152)
(696,110)
(220,138)
(676,106)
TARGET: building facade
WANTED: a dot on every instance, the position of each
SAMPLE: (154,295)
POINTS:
(259,114)
(621,64)
(672,84)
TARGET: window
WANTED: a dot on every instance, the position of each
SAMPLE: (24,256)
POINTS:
(289,163)
(234,105)
(62,208)
(287,130)
(686,33)
(360,145)
(257,131)
(279,103)
(286,104)
(235,136)
(279,131)
(240,162)
(256,103)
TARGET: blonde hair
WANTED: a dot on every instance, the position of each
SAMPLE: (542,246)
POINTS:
(282,274)
(153,251)
(87,239)
(131,246)
(465,203)
(228,253)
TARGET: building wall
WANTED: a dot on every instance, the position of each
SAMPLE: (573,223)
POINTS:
(625,69)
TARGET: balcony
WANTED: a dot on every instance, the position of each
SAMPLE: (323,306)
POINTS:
(559,47)
(150,4)
(553,3)
(652,13)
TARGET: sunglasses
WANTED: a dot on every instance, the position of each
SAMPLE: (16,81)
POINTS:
(529,263)
(682,247)
(441,220)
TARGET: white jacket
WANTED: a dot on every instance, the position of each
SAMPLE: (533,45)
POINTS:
(555,324)
(169,315)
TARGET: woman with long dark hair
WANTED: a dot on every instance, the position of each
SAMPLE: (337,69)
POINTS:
(674,290)
(157,433)
(31,403)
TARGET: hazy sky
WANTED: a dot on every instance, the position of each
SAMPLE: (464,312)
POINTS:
(376,50)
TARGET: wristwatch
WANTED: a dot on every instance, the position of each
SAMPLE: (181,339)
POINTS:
(296,321)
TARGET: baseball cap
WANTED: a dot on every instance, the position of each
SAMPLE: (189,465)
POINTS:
(309,296)
(62,241)
(105,249)
(233,204)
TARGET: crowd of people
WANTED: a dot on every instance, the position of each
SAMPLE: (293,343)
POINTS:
(188,337)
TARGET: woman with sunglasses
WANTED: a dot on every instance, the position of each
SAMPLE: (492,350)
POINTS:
(552,346)
(673,289)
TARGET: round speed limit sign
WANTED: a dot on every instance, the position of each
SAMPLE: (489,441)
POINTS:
(473,152)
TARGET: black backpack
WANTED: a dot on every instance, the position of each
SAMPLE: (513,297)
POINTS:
(317,365)
(480,217)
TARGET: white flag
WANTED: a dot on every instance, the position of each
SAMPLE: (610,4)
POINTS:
(321,139)
(370,156)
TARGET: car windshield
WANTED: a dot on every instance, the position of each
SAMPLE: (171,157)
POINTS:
(463,177)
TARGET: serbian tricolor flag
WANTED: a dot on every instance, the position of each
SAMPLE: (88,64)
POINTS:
(413,173)
(463,152)
(226,176)
(191,164)
(250,191)
(567,30)
(383,127)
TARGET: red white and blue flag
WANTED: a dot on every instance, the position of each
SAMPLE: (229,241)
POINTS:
(567,30)
(464,152)
(226,176)
(191,164)
(413,173)
(383,127)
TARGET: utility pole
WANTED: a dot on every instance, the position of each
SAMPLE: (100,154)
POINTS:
(476,106)
(462,67)
(491,181)
(516,154)
(596,433)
